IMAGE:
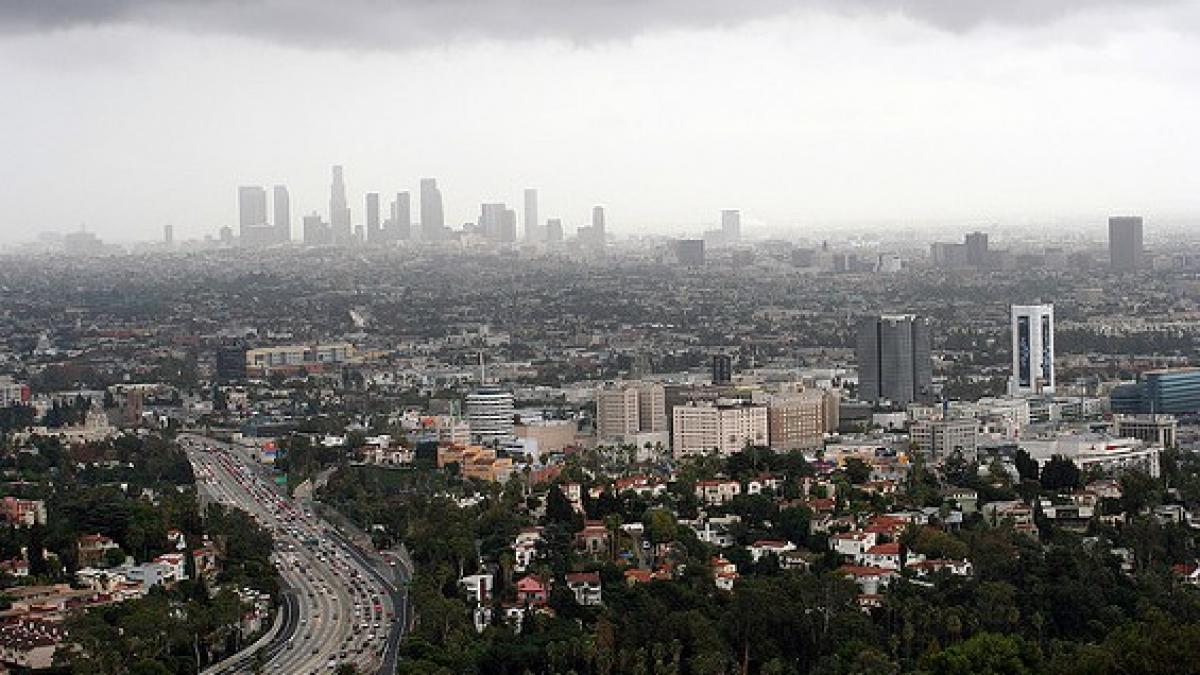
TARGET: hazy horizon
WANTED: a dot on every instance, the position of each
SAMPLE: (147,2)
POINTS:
(128,116)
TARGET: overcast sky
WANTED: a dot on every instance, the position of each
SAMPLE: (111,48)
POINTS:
(130,114)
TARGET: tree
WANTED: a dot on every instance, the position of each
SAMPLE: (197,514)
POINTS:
(857,471)
(1139,491)
(558,507)
(986,654)
(1061,473)
(660,525)
(1027,467)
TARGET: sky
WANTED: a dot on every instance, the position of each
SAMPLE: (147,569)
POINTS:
(126,115)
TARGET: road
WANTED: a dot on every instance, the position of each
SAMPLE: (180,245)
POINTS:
(339,605)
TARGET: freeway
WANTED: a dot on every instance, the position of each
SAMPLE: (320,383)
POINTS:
(339,607)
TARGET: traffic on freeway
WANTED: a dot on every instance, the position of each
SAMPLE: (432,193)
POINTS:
(338,607)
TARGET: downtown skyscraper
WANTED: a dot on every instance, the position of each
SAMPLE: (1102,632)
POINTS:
(339,210)
(433,218)
(894,360)
(283,214)
(252,208)
(533,230)
(399,225)
(374,227)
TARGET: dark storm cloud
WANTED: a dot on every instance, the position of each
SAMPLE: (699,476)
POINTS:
(397,24)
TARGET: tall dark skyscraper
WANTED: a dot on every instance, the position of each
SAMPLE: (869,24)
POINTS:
(1125,242)
(894,360)
(533,229)
(339,211)
(433,218)
(722,369)
(283,214)
(400,224)
(374,230)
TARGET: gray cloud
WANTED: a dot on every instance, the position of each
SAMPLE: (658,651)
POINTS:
(400,24)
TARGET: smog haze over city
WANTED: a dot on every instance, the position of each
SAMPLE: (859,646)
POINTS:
(125,116)
(623,337)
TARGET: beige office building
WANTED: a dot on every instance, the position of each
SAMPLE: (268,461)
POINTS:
(800,421)
(628,409)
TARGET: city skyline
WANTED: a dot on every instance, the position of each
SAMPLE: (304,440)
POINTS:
(978,115)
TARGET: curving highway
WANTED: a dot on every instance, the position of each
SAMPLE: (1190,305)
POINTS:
(340,604)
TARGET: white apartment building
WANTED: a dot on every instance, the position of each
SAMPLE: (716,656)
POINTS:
(726,428)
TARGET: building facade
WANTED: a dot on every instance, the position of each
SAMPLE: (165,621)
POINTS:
(1173,391)
(1032,350)
(894,361)
(490,414)
(1125,243)
(725,428)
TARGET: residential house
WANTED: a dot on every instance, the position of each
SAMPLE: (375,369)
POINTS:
(23,512)
(888,556)
(586,587)
(532,591)
(478,587)
(764,547)
(724,573)
(871,580)
(93,548)
(593,538)
(641,485)
(1016,513)
(717,492)
(525,548)
(852,544)
(756,486)
(962,568)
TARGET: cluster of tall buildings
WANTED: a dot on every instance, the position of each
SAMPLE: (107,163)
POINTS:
(895,366)
(254,227)
(374,229)
(496,221)
(698,420)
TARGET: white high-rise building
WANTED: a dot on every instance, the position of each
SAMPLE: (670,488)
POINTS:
(490,414)
(1032,350)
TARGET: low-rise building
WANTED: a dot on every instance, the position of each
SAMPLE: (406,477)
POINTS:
(24,512)
(586,587)
(716,492)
